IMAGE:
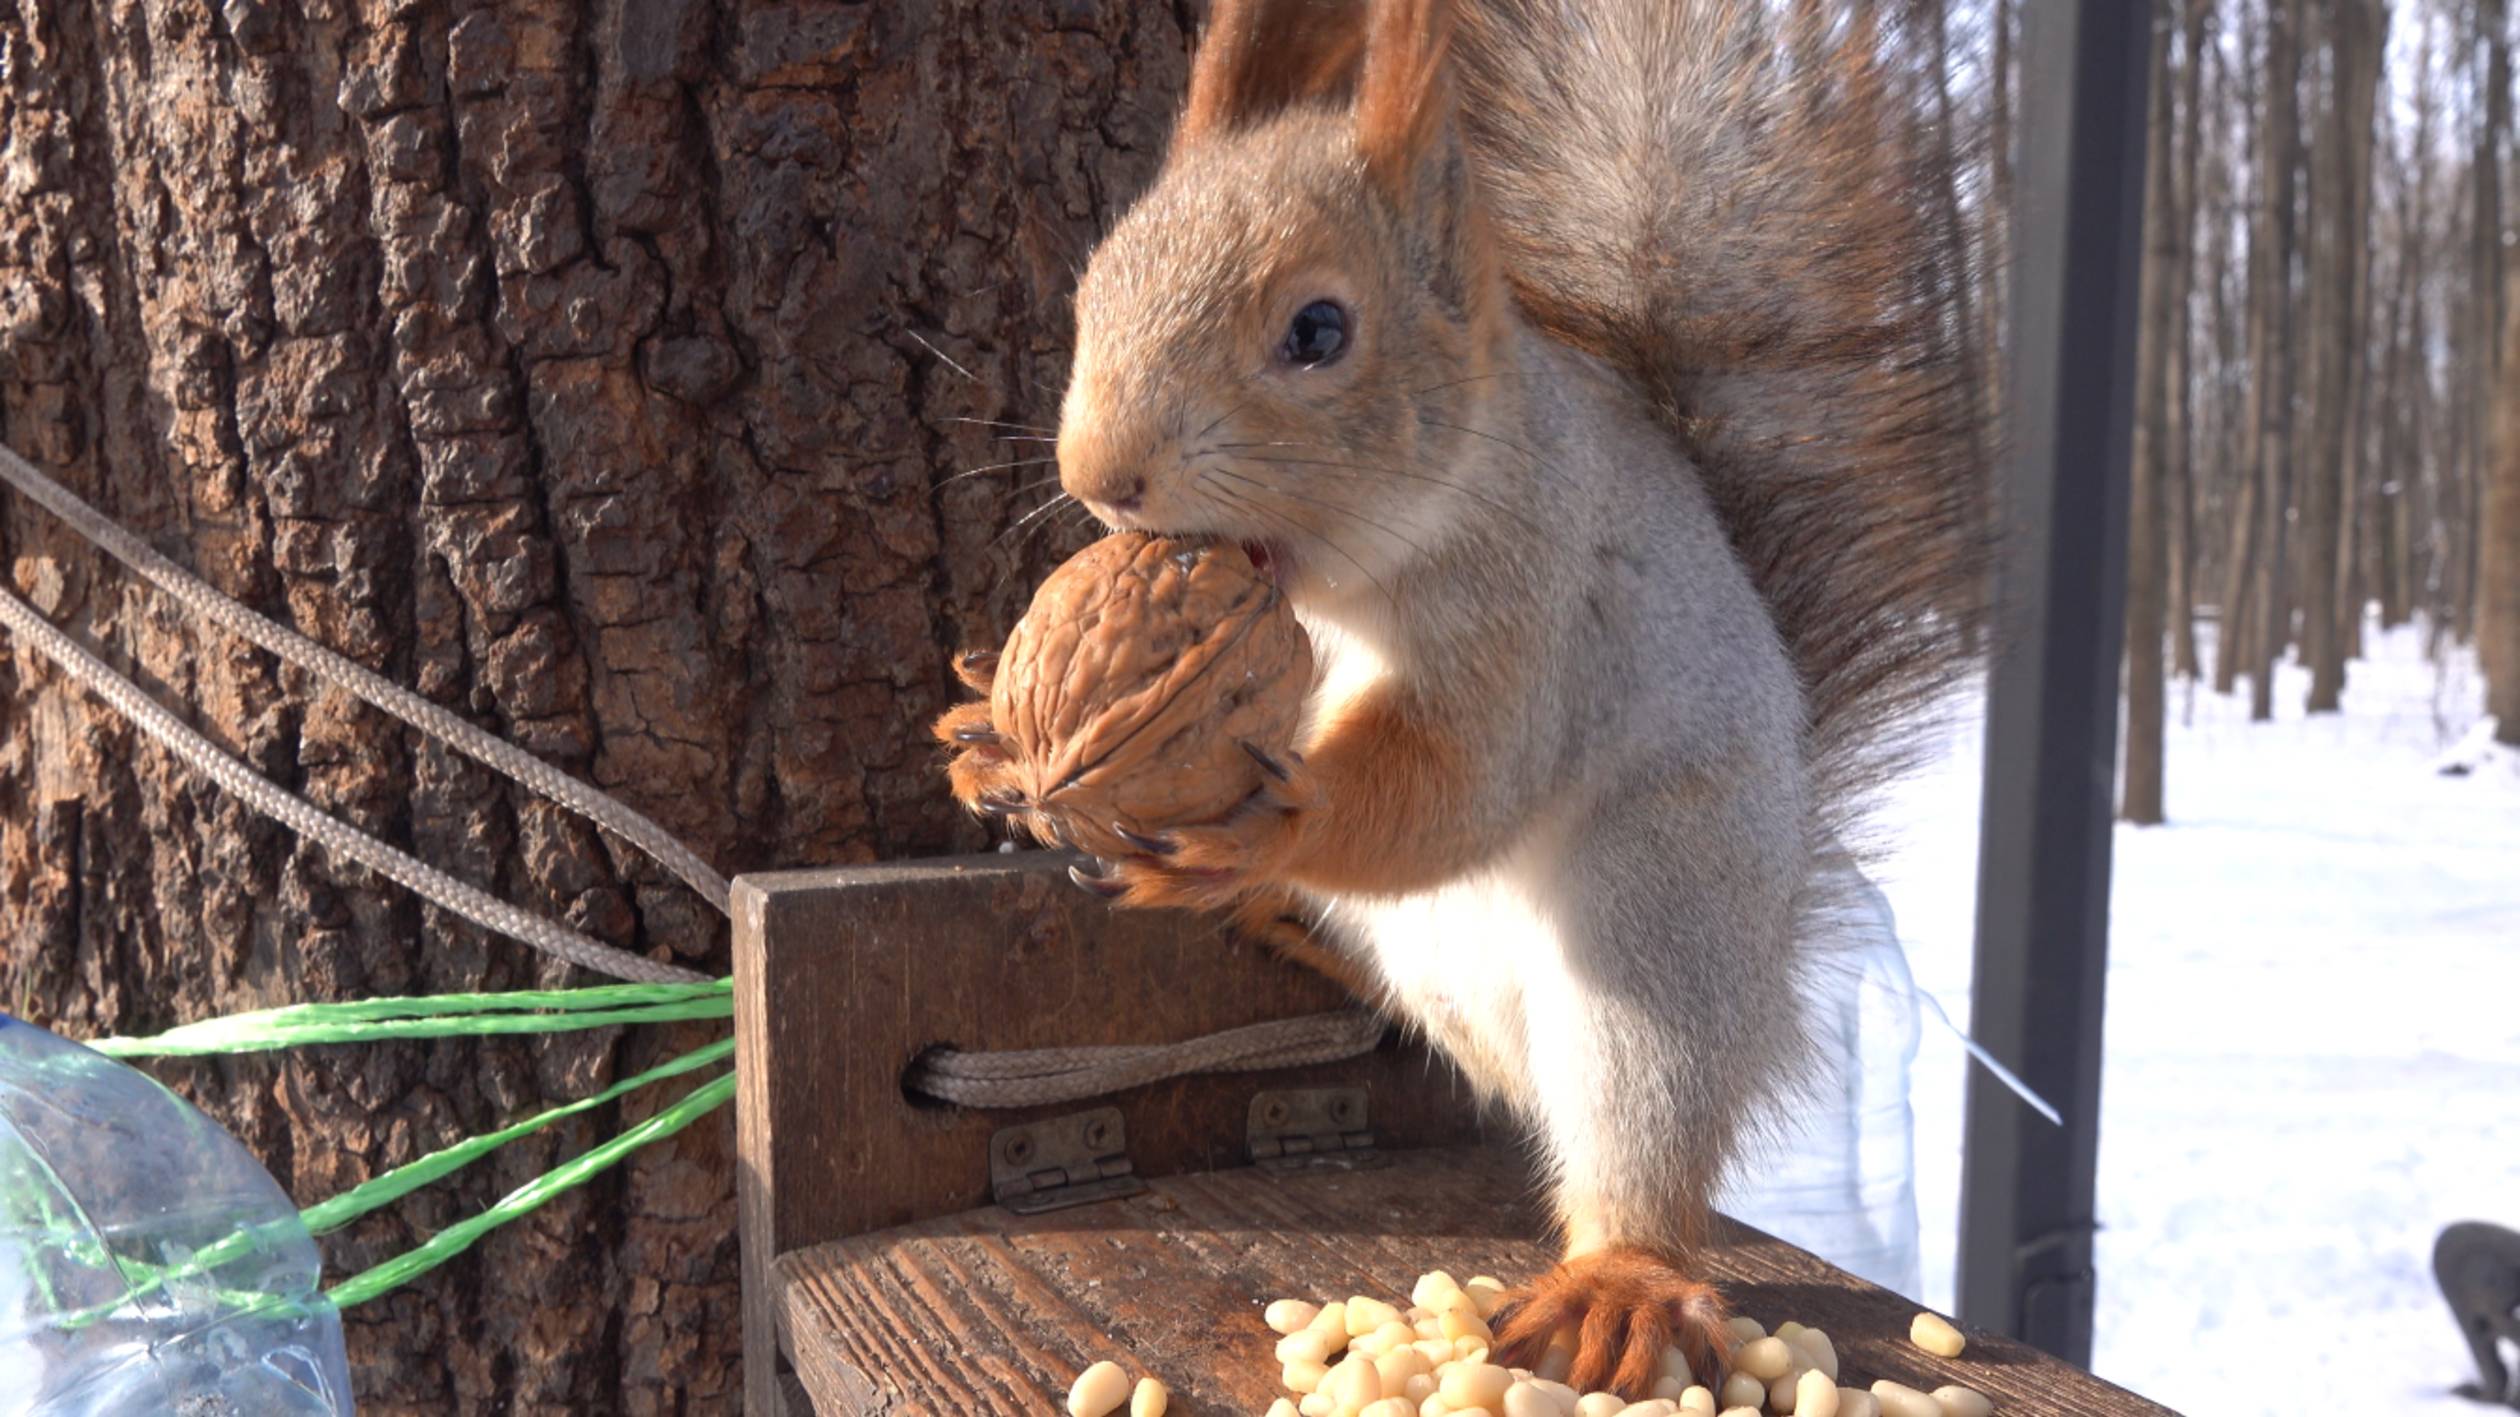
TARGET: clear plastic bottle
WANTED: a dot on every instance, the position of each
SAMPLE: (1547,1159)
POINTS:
(1843,1184)
(148,1264)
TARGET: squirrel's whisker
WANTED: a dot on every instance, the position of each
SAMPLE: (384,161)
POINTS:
(1403,472)
(1035,515)
(932,349)
(1280,518)
(994,467)
(1000,423)
(1344,509)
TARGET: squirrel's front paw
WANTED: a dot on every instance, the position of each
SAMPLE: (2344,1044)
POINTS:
(1212,864)
(1624,1305)
(981,771)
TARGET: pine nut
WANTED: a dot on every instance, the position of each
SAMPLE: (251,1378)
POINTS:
(1289,1315)
(1818,1351)
(1935,1335)
(1150,1399)
(1900,1400)
(1475,1385)
(1766,1359)
(1098,1390)
(1958,1401)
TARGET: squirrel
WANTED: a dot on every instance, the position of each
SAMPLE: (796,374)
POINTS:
(1581,370)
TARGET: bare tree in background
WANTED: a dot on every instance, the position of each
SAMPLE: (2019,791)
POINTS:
(2186,423)
(2259,522)
(2340,199)
(2148,529)
(2497,558)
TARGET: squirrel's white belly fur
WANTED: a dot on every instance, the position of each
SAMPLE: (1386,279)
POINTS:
(1618,970)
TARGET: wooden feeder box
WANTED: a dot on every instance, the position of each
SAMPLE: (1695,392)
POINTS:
(901,1257)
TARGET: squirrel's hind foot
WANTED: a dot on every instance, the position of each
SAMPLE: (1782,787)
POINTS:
(1625,1306)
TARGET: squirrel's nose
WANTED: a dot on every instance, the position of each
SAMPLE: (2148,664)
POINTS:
(1099,473)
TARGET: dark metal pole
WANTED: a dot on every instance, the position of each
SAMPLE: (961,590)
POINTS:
(2026,1214)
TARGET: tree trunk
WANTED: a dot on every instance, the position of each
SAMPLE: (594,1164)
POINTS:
(2271,350)
(2498,542)
(2234,329)
(2148,531)
(2337,343)
(2185,424)
(2485,292)
(570,364)
(2397,467)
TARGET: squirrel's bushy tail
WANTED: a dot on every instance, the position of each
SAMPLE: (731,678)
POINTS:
(1724,204)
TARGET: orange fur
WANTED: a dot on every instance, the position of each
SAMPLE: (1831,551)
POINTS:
(1400,99)
(1626,1305)
(1383,806)
(1260,56)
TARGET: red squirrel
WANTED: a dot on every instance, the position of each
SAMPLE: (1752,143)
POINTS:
(1581,370)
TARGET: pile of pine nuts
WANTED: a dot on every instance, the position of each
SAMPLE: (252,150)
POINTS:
(1361,1357)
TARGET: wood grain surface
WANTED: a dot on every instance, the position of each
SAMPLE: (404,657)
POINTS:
(987,1312)
(843,977)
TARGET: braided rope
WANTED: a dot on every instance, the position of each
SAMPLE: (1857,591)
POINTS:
(312,822)
(1036,1076)
(488,749)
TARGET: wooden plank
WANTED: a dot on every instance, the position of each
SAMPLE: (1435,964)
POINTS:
(988,1312)
(844,977)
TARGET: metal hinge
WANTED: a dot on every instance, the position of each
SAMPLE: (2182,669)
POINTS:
(1304,1128)
(1062,1161)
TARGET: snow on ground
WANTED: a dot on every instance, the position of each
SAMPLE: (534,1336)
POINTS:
(2313,1041)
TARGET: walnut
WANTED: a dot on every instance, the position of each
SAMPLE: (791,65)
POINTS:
(1125,696)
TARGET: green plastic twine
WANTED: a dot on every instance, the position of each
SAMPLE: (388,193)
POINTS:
(446,1016)
(325,1217)
(432,1016)
(456,1238)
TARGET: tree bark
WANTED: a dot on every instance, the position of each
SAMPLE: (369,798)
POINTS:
(2485,291)
(2235,330)
(2148,532)
(570,364)
(2272,351)
(2498,541)
(2337,343)
(2185,424)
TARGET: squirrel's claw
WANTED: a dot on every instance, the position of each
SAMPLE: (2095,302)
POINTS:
(1267,761)
(1625,1305)
(1151,845)
(976,668)
(1105,884)
(979,767)
(1215,864)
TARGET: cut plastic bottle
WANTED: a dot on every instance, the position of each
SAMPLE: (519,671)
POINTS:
(148,1263)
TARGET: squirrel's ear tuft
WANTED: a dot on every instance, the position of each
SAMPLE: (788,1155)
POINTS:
(1401,96)
(1260,57)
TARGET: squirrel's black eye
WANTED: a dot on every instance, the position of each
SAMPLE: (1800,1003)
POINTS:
(1316,336)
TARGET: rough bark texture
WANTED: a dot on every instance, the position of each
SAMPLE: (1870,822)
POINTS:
(571,364)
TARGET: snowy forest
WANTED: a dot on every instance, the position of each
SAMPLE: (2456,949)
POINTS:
(2313,874)
(2322,338)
